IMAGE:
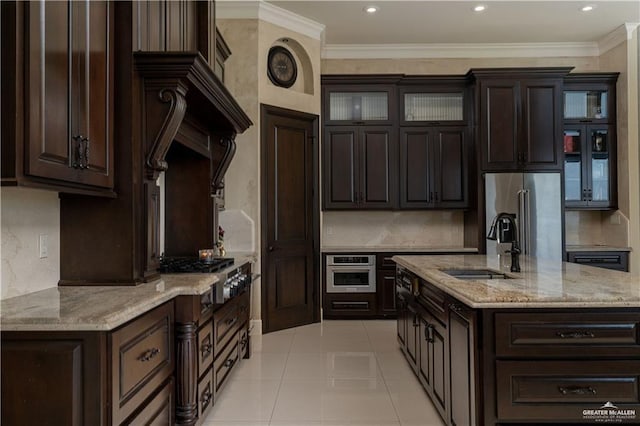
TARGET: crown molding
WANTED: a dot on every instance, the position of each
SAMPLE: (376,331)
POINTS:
(458,50)
(619,35)
(241,9)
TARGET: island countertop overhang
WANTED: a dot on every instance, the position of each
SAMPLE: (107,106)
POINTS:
(541,284)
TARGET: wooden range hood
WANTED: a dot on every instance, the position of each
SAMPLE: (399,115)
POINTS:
(182,121)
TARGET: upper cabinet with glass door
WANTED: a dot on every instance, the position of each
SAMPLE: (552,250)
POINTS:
(432,101)
(590,141)
(357,100)
(590,98)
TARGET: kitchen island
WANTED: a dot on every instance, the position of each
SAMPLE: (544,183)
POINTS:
(555,343)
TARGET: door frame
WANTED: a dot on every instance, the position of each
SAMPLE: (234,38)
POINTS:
(266,110)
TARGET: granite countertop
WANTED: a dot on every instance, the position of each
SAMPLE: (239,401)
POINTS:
(99,308)
(596,247)
(397,249)
(541,284)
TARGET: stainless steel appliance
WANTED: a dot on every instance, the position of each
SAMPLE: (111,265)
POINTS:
(351,273)
(535,198)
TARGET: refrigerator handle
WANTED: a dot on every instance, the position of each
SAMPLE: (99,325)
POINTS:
(527,202)
(521,221)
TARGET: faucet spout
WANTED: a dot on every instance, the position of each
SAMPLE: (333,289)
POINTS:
(504,230)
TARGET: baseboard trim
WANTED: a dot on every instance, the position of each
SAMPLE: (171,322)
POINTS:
(255,327)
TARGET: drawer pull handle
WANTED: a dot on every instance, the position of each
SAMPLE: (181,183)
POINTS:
(577,390)
(575,335)
(229,363)
(230,321)
(206,397)
(206,348)
(149,355)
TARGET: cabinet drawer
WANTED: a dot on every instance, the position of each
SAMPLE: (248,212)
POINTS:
(561,390)
(142,358)
(433,299)
(615,260)
(224,364)
(158,411)
(205,348)
(563,334)
(224,324)
(205,394)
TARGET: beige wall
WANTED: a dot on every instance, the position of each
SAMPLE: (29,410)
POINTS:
(27,213)
(246,78)
(624,59)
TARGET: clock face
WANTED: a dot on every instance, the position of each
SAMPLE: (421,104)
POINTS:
(281,67)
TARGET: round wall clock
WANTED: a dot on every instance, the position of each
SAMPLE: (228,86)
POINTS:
(281,67)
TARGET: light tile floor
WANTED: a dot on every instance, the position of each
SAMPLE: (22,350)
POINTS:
(330,373)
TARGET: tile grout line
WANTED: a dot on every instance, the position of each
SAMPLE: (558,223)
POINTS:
(384,379)
(275,402)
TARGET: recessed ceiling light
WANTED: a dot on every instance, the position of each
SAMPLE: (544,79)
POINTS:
(480,8)
(371,9)
(587,8)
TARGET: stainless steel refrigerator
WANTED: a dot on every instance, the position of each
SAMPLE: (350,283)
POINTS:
(535,198)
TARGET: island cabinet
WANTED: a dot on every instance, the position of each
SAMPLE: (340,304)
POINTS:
(58,98)
(119,377)
(520,366)
(519,118)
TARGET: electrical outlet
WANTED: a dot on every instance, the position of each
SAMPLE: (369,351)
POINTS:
(329,230)
(44,245)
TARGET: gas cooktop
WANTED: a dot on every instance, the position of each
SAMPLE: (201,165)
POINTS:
(172,265)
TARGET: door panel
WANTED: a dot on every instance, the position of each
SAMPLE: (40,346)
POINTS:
(288,270)
(451,165)
(499,125)
(340,174)
(289,219)
(378,171)
(415,168)
(541,124)
(48,90)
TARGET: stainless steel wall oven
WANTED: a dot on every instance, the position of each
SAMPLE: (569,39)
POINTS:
(351,273)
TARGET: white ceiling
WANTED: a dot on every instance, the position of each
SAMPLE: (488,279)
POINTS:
(435,22)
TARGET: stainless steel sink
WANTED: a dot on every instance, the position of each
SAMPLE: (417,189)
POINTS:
(475,274)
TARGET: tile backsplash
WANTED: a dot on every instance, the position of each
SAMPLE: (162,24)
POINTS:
(586,227)
(26,214)
(411,229)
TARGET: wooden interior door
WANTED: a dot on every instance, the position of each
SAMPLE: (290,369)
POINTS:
(290,224)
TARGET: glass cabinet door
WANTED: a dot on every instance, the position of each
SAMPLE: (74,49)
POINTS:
(573,164)
(599,153)
(585,105)
(358,106)
(433,107)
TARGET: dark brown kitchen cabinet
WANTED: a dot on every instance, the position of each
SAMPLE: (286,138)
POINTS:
(519,116)
(119,377)
(433,364)
(360,167)
(462,365)
(433,167)
(590,174)
(386,285)
(616,260)
(61,120)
